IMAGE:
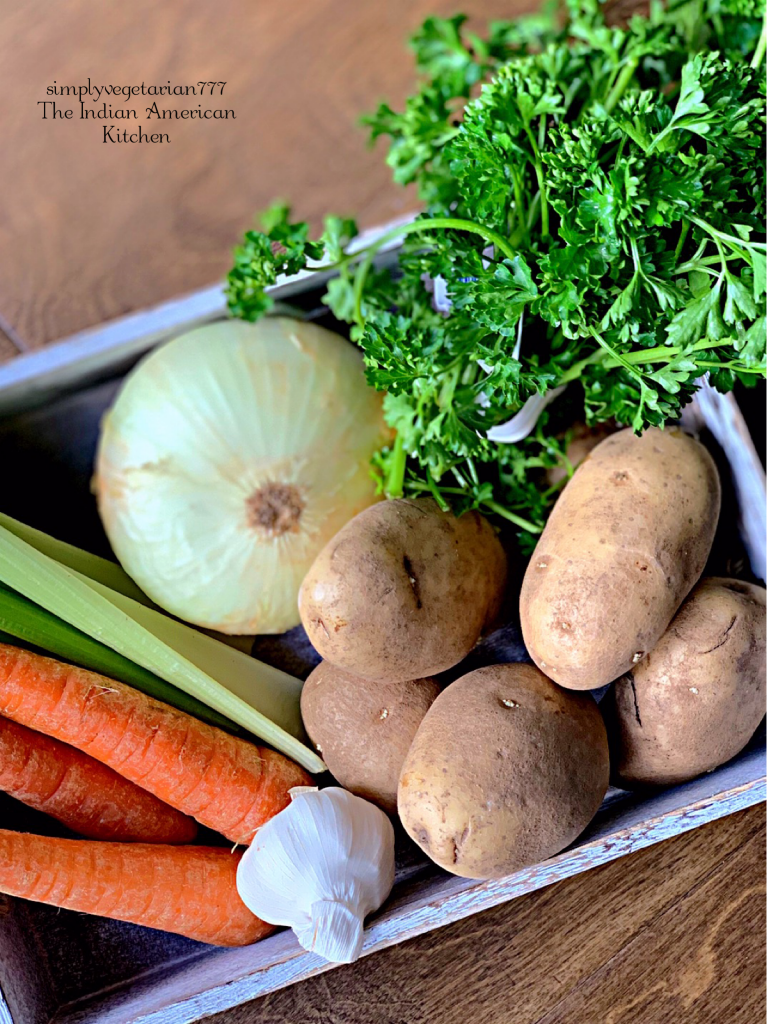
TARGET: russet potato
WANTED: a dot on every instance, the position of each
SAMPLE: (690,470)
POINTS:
(404,590)
(506,769)
(694,701)
(625,543)
(364,729)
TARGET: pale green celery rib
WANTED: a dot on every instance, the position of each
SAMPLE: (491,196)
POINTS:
(93,566)
(23,620)
(132,629)
(272,692)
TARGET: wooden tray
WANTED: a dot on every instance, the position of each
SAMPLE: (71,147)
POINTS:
(66,967)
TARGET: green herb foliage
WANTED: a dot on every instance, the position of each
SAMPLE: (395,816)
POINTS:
(595,206)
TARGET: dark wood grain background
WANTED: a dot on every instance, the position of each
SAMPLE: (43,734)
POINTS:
(89,231)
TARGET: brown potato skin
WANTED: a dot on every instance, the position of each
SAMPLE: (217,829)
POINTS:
(624,545)
(583,440)
(364,729)
(404,590)
(488,788)
(697,698)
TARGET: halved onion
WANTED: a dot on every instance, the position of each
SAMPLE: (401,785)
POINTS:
(232,454)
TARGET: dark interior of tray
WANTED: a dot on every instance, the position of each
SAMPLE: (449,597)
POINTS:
(62,957)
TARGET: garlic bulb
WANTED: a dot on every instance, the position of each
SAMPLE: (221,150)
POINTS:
(230,457)
(320,866)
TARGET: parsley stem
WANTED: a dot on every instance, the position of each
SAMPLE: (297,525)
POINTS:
(732,365)
(532,213)
(538,165)
(659,354)
(396,477)
(703,265)
(322,268)
(620,86)
(461,479)
(416,485)
(432,487)
(523,524)
(716,233)
(682,237)
(620,359)
(666,353)
(758,57)
(443,223)
(577,368)
(519,208)
(493,506)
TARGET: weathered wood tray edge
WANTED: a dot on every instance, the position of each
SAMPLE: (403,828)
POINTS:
(226,979)
(234,977)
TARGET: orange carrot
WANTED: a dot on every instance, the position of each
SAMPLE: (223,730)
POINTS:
(189,890)
(82,793)
(224,782)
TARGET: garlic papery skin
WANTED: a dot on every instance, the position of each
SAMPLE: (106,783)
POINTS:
(320,867)
(230,457)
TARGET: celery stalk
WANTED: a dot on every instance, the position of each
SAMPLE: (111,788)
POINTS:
(102,570)
(93,566)
(272,692)
(123,624)
(22,620)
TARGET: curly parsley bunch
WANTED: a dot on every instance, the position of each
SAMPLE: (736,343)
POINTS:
(595,217)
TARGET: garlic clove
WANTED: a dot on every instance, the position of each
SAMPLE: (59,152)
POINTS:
(334,932)
(320,866)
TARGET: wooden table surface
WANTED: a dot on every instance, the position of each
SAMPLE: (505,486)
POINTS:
(91,230)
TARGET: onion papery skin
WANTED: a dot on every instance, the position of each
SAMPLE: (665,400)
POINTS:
(230,457)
